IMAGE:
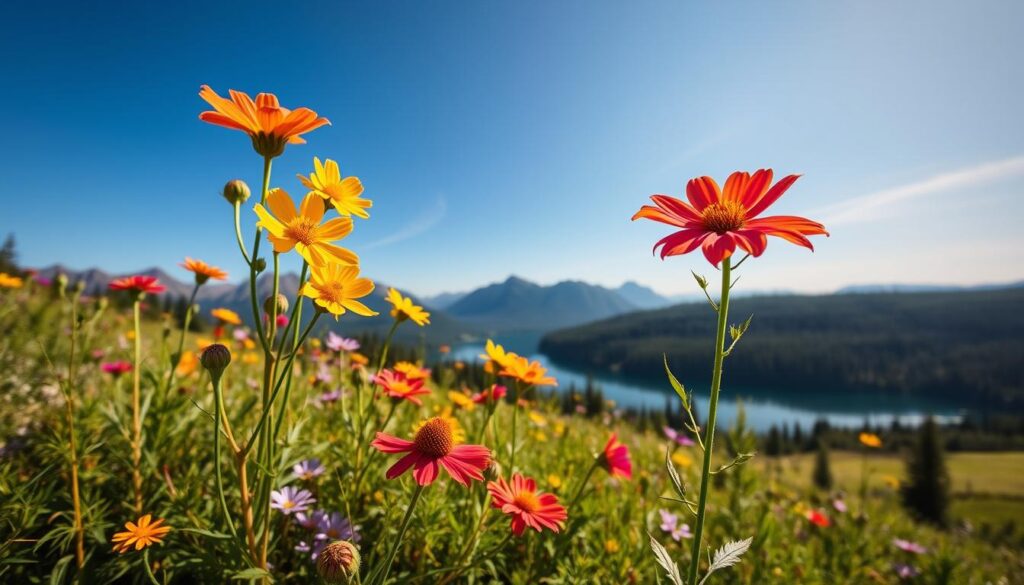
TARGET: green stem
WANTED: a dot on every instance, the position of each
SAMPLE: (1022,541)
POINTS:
(181,338)
(709,434)
(238,231)
(515,415)
(255,257)
(218,400)
(387,345)
(401,534)
(583,484)
(136,409)
(149,571)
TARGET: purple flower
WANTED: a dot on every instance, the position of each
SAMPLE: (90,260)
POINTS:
(670,525)
(240,334)
(308,469)
(905,571)
(323,375)
(677,436)
(335,527)
(328,397)
(290,500)
(908,546)
(839,505)
(336,342)
(309,521)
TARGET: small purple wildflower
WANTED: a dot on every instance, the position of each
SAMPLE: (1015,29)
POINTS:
(338,343)
(240,334)
(290,500)
(839,505)
(677,436)
(334,526)
(309,521)
(329,397)
(670,525)
(905,571)
(308,469)
(908,546)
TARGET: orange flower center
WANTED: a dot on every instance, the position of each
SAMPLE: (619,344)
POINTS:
(332,292)
(434,438)
(527,501)
(723,217)
(301,230)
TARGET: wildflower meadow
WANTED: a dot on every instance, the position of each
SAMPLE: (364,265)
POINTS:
(269,449)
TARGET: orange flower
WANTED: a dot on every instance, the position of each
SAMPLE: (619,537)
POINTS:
(268,124)
(718,221)
(203,271)
(528,507)
(528,372)
(412,371)
(870,440)
(301,229)
(397,386)
(226,316)
(141,535)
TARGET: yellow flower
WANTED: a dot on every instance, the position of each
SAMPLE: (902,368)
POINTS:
(326,181)
(8,281)
(187,363)
(496,354)
(141,535)
(681,459)
(461,400)
(248,343)
(226,316)
(358,359)
(335,288)
(554,481)
(302,230)
(405,309)
(559,429)
(540,437)
(412,371)
(250,357)
(204,342)
(891,481)
(528,372)
(611,546)
(870,440)
(537,418)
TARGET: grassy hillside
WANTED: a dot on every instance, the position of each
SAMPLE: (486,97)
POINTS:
(965,345)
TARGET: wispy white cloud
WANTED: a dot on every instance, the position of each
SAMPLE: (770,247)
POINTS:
(872,205)
(427,219)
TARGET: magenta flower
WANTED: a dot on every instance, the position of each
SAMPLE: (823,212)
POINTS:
(839,505)
(308,469)
(908,546)
(677,436)
(116,369)
(338,343)
(290,500)
(670,525)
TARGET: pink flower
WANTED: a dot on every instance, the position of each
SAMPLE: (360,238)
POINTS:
(432,448)
(116,369)
(615,459)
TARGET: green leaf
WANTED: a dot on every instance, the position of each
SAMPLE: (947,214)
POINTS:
(676,385)
(661,555)
(677,483)
(250,574)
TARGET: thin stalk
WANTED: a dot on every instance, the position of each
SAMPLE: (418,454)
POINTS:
(583,484)
(709,434)
(218,399)
(238,231)
(515,415)
(136,411)
(401,534)
(181,338)
(69,401)
(383,359)
(255,256)
(149,570)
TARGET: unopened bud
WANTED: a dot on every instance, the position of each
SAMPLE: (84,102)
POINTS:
(215,358)
(282,304)
(236,191)
(259,264)
(338,562)
(79,287)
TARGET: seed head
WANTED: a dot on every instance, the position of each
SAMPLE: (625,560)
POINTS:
(215,358)
(338,562)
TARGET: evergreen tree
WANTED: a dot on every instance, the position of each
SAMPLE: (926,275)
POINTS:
(822,475)
(8,256)
(926,492)
(773,442)
(798,438)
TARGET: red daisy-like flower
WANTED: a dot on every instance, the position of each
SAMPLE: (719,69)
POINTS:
(139,284)
(398,386)
(527,507)
(432,448)
(116,368)
(818,519)
(615,458)
(718,221)
(493,394)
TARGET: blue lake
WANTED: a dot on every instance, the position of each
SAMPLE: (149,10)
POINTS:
(764,406)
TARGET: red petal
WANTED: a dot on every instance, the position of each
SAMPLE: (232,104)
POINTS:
(386,443)
(681,242)
(756,188)
(717,247)
(426,471)
(771,196)
(403,465)
(735,186)
(753,241)
(702,192)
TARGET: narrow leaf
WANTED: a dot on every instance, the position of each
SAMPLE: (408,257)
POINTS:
(673,474)
(661,555)
(675,384)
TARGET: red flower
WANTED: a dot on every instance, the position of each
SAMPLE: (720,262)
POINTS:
(434,447)
(615,459)
(116,368)
(717,222)
(528,507)
(396,385)
(138,284)
(493,394)
(818,519)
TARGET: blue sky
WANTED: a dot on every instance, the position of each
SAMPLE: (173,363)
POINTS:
(501,138)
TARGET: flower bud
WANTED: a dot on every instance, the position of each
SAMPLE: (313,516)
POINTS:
(260,265)
(215,358)
(282,305)
(236,191)
(79,287)
(338,562)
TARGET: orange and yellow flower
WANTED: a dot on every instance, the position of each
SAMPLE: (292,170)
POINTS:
(870,440)
(461,399)
(718,221)
(495,355)
(226,316)
(10,282)
(344,193)
(203,271)
(268,124)
(404,308)
(528,507)
(301,229)
(140,535)
(528,372)
(412,371)
(187,364)
(335,288)
(398,387)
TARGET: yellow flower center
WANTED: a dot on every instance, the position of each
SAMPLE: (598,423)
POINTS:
(527,501)
(723,217)
(302,230)
(332,292)
(434,438)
